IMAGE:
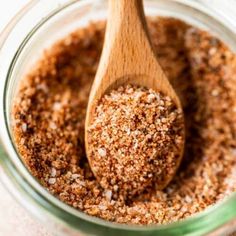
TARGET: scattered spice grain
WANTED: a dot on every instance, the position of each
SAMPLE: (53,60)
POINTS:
(57,90)
(135,140)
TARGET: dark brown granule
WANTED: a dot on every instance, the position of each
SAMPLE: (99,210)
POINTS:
(135,140)
(50,109)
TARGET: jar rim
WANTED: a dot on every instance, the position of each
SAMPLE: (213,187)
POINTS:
(70,216)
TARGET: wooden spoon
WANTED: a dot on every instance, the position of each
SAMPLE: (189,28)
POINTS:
(127,58)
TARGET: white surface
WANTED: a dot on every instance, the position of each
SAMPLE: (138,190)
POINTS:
(14,220)
(8,9)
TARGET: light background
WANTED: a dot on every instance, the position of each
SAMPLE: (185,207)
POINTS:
(8,9)
(14,220)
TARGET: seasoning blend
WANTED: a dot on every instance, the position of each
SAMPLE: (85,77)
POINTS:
(49,115)
(134,140)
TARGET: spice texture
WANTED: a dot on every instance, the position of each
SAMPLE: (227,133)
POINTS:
(49,114)
(135,140)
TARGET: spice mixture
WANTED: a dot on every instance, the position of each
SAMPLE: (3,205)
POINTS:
(135,140)
(49,113)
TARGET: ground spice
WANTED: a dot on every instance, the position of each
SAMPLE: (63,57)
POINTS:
(135,140)
(49,112)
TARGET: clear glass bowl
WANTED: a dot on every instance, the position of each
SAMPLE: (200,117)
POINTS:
(35,28)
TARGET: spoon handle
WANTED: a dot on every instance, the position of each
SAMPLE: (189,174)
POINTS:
(127,44)
(126,17)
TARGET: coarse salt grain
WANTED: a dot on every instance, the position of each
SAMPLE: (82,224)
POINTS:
(52,180)
(128,131)
(57,106)
(52,125)
(115,188)
(53,172)
(75,176)
(108,195)
(233,150)
(212,51)
(42,87)
(102,207)
(151,97)
(215,93)
(24,127)
(81,183)
(22,141)
(102,152)
(188,199)
(136,145)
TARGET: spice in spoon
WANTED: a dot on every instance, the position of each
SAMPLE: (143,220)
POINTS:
(134,140)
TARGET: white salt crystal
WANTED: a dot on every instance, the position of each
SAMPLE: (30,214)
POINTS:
(115,188)
(57,106)
(42,87)
(128,131)
(212,51)
(81,183)
(102,152)
(136,145)
(24,127)
(150,98)
(188,199)
(53,172)
(52,125)
(52,181)
(75,176)
(108,194)
(233,150)
(102,207)
(215,92)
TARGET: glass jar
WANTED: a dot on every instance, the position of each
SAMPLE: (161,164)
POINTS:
(36,27)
